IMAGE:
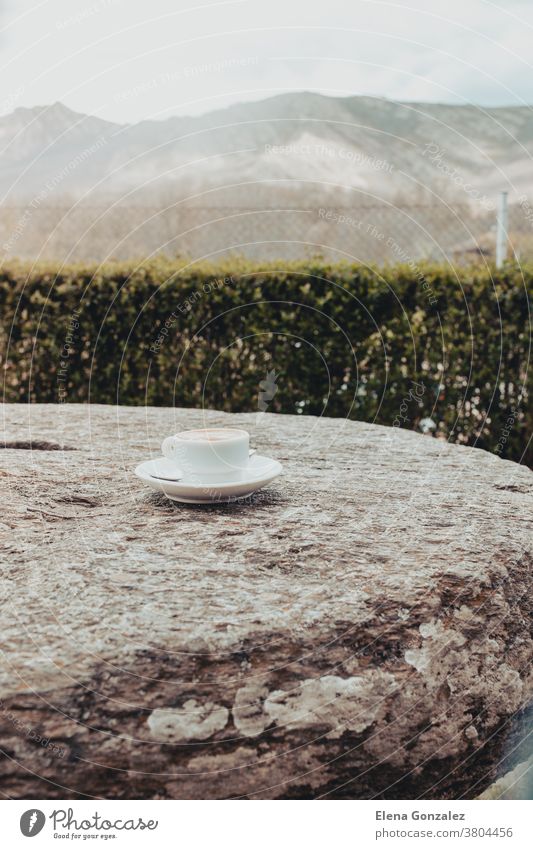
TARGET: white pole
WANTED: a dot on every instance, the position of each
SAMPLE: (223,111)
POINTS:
(501,232)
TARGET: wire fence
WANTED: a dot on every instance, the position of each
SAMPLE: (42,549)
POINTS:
(378,233)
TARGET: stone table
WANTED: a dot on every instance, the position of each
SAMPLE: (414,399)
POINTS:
(359,629)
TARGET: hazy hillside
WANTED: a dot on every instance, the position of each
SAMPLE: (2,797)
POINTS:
(370,148)
(265,179)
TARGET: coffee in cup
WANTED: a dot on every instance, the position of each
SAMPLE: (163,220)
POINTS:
(213,454)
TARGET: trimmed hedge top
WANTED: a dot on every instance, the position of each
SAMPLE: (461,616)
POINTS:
(431,347)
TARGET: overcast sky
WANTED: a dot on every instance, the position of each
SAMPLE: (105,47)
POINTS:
(125,59)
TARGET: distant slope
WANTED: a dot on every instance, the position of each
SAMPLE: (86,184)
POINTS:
(297,148)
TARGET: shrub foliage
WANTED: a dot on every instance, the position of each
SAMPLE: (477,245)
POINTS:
(393,346)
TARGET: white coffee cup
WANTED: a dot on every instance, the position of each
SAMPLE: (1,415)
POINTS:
(213,454)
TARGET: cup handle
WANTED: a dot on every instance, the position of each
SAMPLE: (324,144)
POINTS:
(167,447)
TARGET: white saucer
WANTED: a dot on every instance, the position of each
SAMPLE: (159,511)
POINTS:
(260,471)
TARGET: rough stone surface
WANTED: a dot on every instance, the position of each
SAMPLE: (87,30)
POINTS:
(362,628)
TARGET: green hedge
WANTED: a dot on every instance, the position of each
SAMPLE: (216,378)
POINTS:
(391,345)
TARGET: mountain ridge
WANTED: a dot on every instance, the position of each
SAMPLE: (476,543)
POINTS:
(311,141)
